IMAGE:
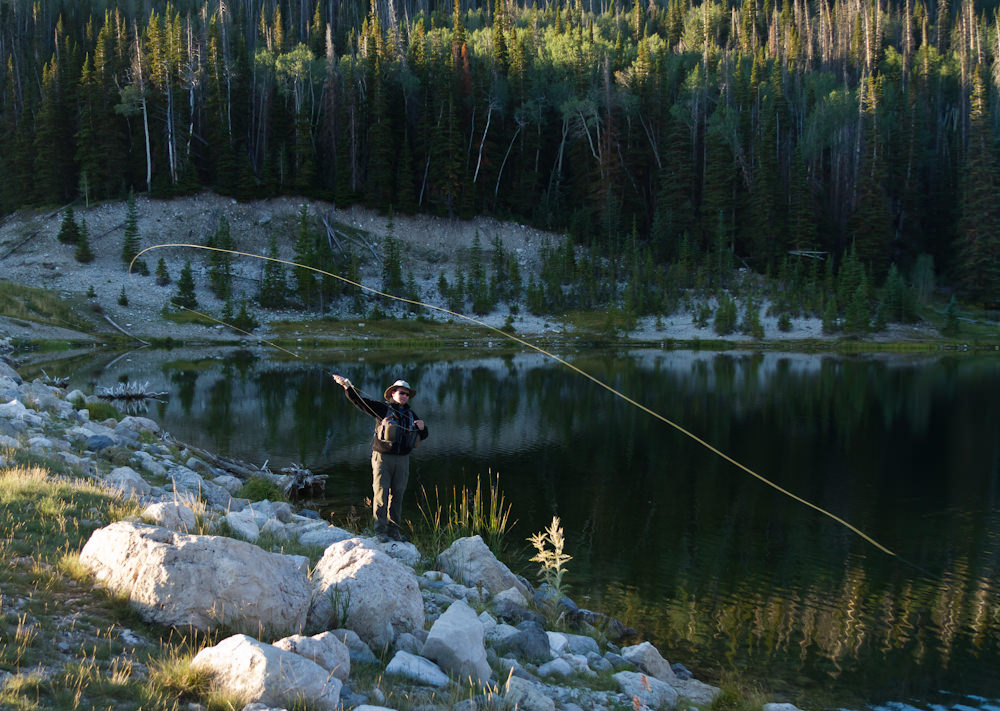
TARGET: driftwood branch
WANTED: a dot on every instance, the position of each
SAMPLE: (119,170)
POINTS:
(108,319)
(293,480)
(128,391)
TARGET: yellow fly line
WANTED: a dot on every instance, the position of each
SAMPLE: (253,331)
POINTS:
(538,349)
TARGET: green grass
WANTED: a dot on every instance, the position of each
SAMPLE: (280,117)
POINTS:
(258,488)
(34,305)
(53,618)
(99,410)
(738,694)
(184,316)
(465,512)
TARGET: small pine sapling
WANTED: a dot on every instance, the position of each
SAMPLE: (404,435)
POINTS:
(162,275)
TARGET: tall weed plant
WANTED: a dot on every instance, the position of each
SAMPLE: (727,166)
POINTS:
(549,545)
(467,512)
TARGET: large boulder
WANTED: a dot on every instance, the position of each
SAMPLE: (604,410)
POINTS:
(457,643)
(171,514)
(139,424)
(7,371)
(324,649)
(128,481)
(471,562)
(263,673)
(416,668)
(699,693)
(361,588)
(647,690)
(526,695)
(198,581)
(648,659)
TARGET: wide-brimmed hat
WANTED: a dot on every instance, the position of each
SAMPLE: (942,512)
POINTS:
(399,384)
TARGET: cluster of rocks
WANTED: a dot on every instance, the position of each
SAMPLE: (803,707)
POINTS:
(466,633)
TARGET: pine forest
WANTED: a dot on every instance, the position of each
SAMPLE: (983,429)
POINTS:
(752,134)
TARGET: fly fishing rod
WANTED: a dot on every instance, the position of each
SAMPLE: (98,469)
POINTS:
(562,361)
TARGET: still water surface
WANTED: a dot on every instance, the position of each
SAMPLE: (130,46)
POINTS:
(720,570)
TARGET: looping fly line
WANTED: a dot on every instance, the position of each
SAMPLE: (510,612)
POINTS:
(546,353)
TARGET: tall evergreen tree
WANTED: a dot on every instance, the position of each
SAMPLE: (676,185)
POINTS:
(84,254)
(306,283)
(273,284)
(979,235)
(220,261)
(131,242)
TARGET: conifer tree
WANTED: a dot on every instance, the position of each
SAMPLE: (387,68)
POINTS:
(830,316)
(392,266)
(162,275)
(857,317)
(130,245)
(979,226)
(725,315)
(305,253)
(83,252)
(273,284)
(951,324)
(185,296)
(69,231)
(244,320)
(220,269)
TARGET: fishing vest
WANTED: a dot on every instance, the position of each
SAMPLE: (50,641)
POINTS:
(396,433)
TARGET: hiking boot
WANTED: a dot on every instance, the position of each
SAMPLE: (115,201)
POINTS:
(397,536)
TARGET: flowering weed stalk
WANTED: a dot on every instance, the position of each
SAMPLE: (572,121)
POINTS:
(549,546)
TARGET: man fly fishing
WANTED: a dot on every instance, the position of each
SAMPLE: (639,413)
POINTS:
(398,431)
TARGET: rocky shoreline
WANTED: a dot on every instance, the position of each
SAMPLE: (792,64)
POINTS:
(465,633)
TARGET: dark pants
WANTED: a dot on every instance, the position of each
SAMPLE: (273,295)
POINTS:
(390,473)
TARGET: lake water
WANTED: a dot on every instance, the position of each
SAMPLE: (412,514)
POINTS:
(719,570)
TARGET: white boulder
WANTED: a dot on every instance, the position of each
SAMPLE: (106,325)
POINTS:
(647,690)
(457,643)
(324,649)
(701,694)
(782,706)
(527,695)
(128,481)
(170,514)
(322,535)
(361,588)
(471,562)
(418,669)
(244,524)
(140,424)
(199,581)
(263,673)
(648,659)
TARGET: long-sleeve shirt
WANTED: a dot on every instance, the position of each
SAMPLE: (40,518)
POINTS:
(402,414)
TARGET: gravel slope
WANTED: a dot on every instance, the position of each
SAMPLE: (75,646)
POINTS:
(31,254)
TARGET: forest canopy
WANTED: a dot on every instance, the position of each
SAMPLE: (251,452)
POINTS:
(767,126)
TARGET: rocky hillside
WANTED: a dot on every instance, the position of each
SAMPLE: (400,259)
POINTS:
(30,252)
